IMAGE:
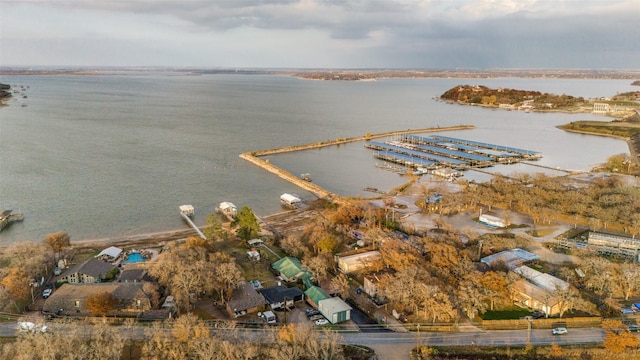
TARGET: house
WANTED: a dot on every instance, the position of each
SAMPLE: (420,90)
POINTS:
(71,299)
(279,296)
(290,269)
(290,200)
(535,297)
(314,295)
(111,253)
(352,263)
(493,221)
(134,275)
(245,300)
(372,282)
(89,271)
(228,209)
(335,310)
(538,290)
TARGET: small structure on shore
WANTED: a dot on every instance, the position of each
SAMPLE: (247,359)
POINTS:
(187,210)
(493,221)
(227,209)
(290,200)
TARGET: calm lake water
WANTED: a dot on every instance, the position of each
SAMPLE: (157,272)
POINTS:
(113,156)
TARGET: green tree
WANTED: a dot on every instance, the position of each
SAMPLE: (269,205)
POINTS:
(213,230)
(247,223)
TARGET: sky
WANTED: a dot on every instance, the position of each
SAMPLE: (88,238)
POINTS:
(418,34)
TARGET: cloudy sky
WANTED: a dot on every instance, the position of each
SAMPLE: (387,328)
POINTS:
(427,34)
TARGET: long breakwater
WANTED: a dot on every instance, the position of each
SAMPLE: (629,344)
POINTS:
(320,192)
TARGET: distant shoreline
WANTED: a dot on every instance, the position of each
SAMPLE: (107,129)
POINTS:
(335,74)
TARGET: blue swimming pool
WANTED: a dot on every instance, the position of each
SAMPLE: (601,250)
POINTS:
(134,258)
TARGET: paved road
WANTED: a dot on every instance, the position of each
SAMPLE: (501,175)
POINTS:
(392,345)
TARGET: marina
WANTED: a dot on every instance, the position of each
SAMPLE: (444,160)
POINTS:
(437,152)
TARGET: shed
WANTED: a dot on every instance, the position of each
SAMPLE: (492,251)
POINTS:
(187,210)
(335,310)
(511,258)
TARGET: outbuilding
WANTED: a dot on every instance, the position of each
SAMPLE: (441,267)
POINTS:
(335,310)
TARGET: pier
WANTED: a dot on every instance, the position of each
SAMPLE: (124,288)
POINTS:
(186,211)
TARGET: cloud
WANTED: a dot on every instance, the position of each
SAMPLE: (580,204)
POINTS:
(374,33)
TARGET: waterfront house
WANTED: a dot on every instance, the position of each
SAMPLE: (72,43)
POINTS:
(245,300)
(71,299)
(371,284)
(89,271)
(278,297)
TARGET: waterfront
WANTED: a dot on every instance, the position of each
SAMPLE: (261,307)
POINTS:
(114,156)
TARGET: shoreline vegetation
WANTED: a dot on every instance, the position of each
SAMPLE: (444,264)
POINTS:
(623,108)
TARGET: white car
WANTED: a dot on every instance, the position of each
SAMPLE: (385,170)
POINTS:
(559,331)
(46,293)
(321,322)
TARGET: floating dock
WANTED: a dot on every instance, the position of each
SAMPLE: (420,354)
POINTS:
(437,152)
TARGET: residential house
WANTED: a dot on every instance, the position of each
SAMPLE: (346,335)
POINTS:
(538,290)
(371,284)
(89,271)
(314,295)
(71,299)
(134,275)
(335,310)
(352,263)
(279,296)
(245,300)
(290,269)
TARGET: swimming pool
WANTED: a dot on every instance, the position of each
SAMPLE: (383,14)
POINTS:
(134,258)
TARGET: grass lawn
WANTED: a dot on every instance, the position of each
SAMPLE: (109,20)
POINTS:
(509,314)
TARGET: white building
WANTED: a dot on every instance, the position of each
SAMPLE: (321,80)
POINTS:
(353,263)
(335,310)
(493,221)
(290,200)
(228,209)
(601,108)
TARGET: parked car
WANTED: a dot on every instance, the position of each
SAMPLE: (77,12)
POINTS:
(627,311)
(559,331)
(316,317)
(46,293)
(312,312)
(321,322)
(633,328)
